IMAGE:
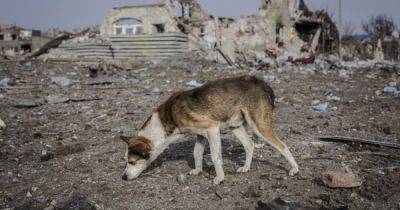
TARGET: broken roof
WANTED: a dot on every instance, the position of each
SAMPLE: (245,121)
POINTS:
(139,6)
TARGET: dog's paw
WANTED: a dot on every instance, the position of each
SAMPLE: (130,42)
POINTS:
(218,180)
(293,171)
(194,172)
(243,169)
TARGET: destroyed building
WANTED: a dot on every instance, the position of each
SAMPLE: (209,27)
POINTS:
(15,40)
(281,27)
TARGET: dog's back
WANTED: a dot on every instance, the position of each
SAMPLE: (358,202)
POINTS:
(216,102)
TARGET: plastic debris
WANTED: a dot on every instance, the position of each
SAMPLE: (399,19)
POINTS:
(333,98)
(389,89)
(5,82)
(194,84)
(270,78)
(321,107)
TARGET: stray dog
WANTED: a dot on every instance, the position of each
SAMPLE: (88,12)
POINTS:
(226,102)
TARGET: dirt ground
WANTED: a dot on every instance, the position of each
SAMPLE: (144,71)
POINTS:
(64,153)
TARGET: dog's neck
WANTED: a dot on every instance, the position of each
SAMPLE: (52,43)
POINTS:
(155,132)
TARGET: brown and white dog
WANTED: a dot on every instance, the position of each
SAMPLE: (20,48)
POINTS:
(226,102)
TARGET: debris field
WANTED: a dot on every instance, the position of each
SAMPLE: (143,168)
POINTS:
(61,121)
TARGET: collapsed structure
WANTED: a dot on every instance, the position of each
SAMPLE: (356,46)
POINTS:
(281,27)
(15,40)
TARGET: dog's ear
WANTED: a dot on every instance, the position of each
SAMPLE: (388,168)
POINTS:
(126,139)
(141,148)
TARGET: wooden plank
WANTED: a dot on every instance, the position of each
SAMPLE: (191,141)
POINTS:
(361,141)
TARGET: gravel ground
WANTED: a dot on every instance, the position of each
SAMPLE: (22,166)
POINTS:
(60,149)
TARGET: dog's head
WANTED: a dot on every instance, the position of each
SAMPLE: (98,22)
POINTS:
(137,156)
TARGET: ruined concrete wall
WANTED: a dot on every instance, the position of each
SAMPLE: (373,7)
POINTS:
(272,30)
(149,15)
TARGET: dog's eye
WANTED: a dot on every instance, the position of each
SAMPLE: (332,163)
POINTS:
(132,162)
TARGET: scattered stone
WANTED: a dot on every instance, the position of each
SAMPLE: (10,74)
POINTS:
(37,135)
(2,96)
(387,130)
(259,145)
(61,81)
(334,179)
(270,78)
(315,102)
(280,204)
(56,99)
(28,64)
(52,205)
(378,93)
(343,73)
(381,172)
(46,155)
(193,84)
(69,149)
(181,178)
(72,73)
(156,90)
(265,176)
(321,107)
(253,192)
(2,125)
(28,194)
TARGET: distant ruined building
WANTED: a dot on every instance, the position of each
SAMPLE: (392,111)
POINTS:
(176,26)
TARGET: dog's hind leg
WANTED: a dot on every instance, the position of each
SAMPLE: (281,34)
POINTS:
(248,145)
(261,124)
(213,135)
(198,155)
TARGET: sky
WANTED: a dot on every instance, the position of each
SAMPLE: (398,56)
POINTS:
(68,14)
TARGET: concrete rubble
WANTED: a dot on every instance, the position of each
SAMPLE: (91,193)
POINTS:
(53,129)
(65,110)
(286,30)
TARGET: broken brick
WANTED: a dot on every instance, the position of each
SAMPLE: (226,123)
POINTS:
(334,179)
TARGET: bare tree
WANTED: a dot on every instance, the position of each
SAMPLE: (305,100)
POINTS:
(348,29)
(378,27)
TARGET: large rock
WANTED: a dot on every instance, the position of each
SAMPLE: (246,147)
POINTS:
(336,179)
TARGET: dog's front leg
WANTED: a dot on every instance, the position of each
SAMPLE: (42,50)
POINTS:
(198,155)
(214,139)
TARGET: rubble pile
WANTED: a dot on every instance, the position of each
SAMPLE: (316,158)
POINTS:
(65,117)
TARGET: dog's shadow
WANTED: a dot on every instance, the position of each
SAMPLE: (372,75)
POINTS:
(183,150)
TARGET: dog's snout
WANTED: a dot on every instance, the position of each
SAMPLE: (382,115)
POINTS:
(124,177)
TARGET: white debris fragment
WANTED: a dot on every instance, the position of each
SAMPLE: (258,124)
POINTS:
(315,102)
(5,82)
(389,89)
(61,81)
(193,84)
(331,97)
(321,107)
(156,90)
(2,125)
(270,77)
(343,73)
